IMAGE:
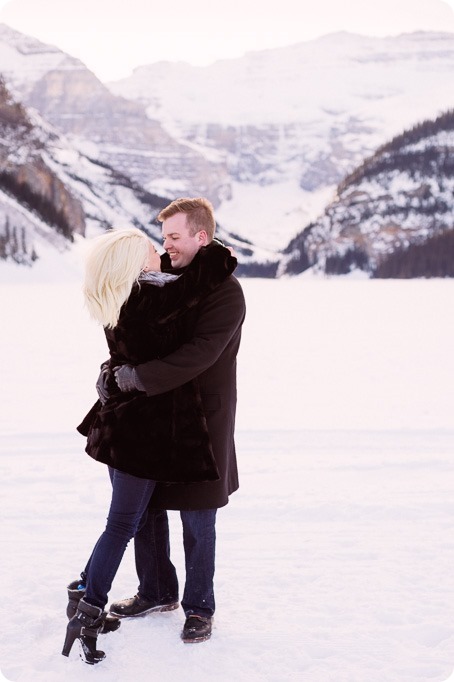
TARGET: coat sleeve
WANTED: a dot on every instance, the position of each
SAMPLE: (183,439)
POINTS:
(221,315)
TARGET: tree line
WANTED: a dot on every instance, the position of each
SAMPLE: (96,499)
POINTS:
(392,155)
(36,202)
(13,244)
(433,258)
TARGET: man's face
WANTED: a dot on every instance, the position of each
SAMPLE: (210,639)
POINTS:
(178,242)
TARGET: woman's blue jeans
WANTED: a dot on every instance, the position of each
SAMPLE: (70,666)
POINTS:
(130,498)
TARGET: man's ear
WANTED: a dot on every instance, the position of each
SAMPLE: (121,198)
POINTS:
(202,237)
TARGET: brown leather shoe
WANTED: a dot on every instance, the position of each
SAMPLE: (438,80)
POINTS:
(196,629)
(138,606)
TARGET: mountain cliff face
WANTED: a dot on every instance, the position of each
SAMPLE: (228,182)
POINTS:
(50,191)
(266,137)
(278,128)
(301,116)
(393,216)
(72,99)
(26,178)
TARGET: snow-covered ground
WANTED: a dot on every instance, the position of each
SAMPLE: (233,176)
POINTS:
(335,558)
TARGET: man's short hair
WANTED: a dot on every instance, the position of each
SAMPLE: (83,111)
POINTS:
(199,214)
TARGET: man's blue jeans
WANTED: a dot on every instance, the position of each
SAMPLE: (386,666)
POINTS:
(130,498)
(157,576)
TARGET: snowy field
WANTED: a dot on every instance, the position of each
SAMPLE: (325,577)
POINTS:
(335,559)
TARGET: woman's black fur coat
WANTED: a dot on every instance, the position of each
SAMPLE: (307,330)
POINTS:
(162,437)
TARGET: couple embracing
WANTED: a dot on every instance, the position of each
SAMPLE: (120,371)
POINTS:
(164,422)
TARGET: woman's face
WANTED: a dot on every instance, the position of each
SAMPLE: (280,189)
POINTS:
(153,261)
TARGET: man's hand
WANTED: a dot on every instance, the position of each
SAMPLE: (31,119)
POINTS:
(127,379)
(102,383)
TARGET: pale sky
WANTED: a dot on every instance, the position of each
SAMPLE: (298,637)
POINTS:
(112,38)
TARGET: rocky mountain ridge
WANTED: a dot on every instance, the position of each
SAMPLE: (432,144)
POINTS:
(121,134)
(50,192)
(302,116)
(284,124)
(393,216)
(298,118)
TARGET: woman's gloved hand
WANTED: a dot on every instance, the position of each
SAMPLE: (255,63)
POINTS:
(102,383)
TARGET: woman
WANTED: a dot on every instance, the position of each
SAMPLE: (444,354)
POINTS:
(145,314)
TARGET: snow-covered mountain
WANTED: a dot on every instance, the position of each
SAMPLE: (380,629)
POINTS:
(393,216)
(106,142)
(289,123)
(72,99)
(266,137)
(51,191)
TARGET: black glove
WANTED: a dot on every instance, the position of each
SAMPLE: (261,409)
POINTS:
(127,379)
(102,383)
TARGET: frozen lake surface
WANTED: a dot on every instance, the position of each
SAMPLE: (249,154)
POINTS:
(335,558)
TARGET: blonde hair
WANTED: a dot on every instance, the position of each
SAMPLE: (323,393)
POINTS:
(113,264)
(199,214)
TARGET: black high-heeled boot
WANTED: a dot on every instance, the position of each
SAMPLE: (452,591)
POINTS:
(76,590)
(85,626)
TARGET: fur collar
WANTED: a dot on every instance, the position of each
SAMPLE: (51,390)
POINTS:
(159,279)
(210,266)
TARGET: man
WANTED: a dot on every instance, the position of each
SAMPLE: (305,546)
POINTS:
(210,355)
